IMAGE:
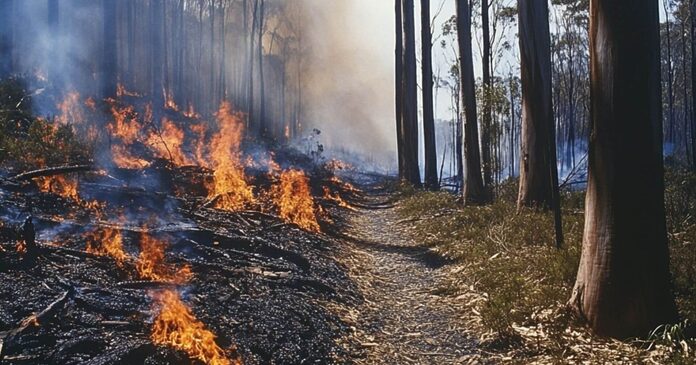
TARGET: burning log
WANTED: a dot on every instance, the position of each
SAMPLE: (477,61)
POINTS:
(52,171)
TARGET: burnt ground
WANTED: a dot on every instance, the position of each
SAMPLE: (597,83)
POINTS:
(272,293)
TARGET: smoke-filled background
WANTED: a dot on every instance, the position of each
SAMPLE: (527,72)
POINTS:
(290,65)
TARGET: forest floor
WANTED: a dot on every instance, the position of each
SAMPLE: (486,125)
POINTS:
(401,319)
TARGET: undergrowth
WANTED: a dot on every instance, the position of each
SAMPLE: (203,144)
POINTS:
(508,257)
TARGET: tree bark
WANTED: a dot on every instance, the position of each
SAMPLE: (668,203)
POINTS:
(538,137)
(410,114)
(487,114)
(263,127)
(156,83)
(692,10)
(431,181)
(399,88)
(474,192)
(623,284)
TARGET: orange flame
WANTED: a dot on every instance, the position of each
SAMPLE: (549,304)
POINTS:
(176,326)
(294,200)
(229,187)
(71,109)
(169,102)
(125,126)
(152,266)
(107,242)
(123,159)
(68,189)
(199,149)
(336,198)
(167,144)
(121,91)
(21,247)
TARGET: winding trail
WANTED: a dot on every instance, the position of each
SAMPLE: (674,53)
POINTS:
(401,320)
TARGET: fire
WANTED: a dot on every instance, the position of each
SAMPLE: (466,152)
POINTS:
(121,91)
(152,266)
(59,185)
(123,159)
(191,112)
(70,109)
(176,326)
(200,131)
(125,126)
(107,242)
(229,187)
(91,104)
(294,200)
(344,185)
(168,143)
(169,102)
(336,198)
(21,247)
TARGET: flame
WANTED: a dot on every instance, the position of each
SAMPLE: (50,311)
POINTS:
(152,266)
(21,247)
(176,326)
(168,142)
(344,185)
(70,109)
(229,186)
(287,131)
(121,91)
(273,167)
(107,242)
(125,126)
(336,198)
(294,200)
(200,131)
(91,104)
(123,159)
(191,112)
(68,189)
(169,102)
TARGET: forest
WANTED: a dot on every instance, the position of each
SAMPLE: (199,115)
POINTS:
(347,182)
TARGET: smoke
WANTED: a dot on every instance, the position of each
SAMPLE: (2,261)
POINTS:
(349,76)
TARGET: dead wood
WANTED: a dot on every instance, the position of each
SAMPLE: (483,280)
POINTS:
(51,171)
(35,319)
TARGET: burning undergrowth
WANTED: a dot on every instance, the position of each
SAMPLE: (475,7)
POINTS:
(183,241)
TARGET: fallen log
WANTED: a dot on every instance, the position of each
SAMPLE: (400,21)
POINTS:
(50,171)
(34,319)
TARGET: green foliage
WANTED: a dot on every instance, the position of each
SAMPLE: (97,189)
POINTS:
(508,256)
(26,141)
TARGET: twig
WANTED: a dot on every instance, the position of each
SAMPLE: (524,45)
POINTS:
(50,171)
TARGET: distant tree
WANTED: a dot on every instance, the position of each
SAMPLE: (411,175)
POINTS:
(623,284)
(474,192)
(410,93)
(431,181)
(109,76)
(6,37)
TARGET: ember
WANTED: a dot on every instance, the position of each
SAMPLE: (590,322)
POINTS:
(294,200)
(176,326)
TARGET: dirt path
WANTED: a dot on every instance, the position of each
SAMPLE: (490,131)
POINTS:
(401,320)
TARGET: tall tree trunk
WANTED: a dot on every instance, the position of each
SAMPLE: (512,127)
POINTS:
(536,184)
(431,181)
(410,116)
(474,192)
(250,86)
(53,26)
(109,78)
(156,83)
(487,113)
(623,284)
(263,128)
(6,37)
(538,167)
(399,88)
(670,77)
(693,82)
(512,128)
